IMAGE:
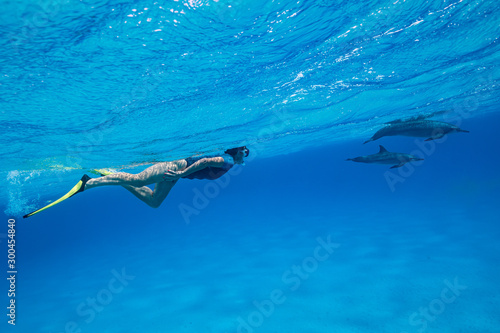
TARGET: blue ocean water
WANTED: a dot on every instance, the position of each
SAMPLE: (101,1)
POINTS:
(298,239)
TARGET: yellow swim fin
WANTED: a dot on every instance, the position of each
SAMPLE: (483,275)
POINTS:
(103,172)
(79,187)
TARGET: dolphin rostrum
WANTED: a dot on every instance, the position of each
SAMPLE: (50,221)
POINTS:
(417,126)
(385,157)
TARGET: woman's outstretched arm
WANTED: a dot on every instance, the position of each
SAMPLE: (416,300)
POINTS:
(196,166)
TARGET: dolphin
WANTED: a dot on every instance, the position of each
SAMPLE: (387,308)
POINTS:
(417,126)
(386,157)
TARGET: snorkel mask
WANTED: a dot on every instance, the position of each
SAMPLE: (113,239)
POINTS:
(234,151)
(246,151)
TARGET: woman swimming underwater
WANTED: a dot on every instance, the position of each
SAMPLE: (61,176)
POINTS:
(164,175)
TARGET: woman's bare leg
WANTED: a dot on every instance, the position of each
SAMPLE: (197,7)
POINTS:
(152,198)
(152,175)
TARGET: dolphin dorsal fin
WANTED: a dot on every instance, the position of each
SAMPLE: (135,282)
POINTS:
(382,149)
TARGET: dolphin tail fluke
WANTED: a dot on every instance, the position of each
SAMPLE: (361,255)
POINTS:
(349,159)
(368,141)
(461,130)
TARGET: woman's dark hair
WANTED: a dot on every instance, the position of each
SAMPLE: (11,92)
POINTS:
(234,151)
